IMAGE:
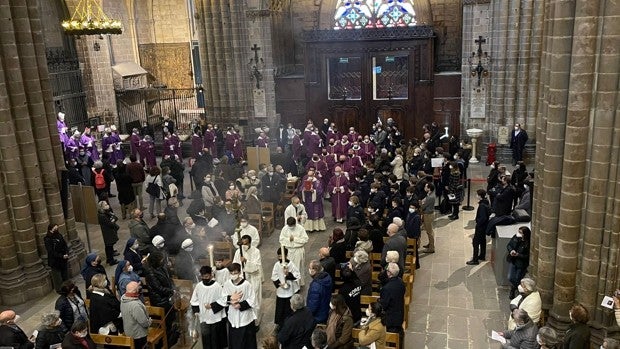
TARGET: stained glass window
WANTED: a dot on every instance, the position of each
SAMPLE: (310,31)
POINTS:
(356,14)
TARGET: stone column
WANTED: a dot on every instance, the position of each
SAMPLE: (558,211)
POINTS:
(577,213)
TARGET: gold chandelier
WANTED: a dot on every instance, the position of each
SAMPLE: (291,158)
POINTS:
(89,19)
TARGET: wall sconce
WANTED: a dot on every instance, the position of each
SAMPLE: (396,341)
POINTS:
(477,69)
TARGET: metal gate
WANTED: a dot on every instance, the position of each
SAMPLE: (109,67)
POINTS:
(67,89)
(150,105)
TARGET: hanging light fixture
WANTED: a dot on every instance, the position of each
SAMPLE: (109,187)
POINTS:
(89,19)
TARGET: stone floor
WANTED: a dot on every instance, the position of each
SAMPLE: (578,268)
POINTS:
(454,305)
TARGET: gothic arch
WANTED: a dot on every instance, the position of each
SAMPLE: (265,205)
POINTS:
(424,14)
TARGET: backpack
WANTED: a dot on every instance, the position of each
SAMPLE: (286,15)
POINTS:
(99,179)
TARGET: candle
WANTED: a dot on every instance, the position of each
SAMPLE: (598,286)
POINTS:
(282,255)
(211,256)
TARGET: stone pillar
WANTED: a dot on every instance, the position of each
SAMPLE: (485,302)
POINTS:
(224,52)
(577,213)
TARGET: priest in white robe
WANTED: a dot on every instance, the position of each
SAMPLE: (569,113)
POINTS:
(293,237)
(252,270)
(246,229)
(296,210)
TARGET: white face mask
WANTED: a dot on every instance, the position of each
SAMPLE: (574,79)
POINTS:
(337,173)
(521,289)
(412,210)
(130,268)
(83,334)
(135,246)
(160,246)
(368,312)
(245,247)
(519,235)
(540,342)
(232,187)
(105,283)
(311,272)
(192,226)
(253,177)
(189,249)
(331,306)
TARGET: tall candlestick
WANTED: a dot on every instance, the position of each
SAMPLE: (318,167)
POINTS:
(211,256)
(282,255)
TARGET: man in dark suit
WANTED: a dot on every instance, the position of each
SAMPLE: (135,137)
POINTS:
(518,138)
(502,204)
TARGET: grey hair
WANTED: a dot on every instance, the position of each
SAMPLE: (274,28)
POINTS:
(98,164)
(548,336)
(316,265)
(297,302)
(50,319)
(318,338)
(529,284)
(522,315)
(392,256)
(393,268)
(100,206)
(362,256)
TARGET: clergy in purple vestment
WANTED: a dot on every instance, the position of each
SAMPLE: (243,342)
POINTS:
(197,143)
(117,152)
(229,144)
(72,145)
(169,146)
(178,149)
(262,141)
(311,191)
(107,144)
(367,151)
(297,146)
(352,135)
(314,144)
(62,127)
(343,146)
(88,142)
(238,146)
(333,134)
(338,187)
(346,167)
(134,142)
(210,140)
(147,147)
(320,167)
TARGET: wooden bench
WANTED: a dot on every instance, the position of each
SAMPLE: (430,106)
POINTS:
(122,341)
(268,217)
(157,331)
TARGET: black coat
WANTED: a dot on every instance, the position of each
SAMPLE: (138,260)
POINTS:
(338,250)
(577,337)
(522,247)
(272,188)
(297,330)
(160,286)
(329,266)
(125,191)
(413,225)
(104,309)
(49,336)
(90,271)
(13,336)
(357,212)
(351,290)
(392,300)
(63,305)
(109,228)
(502,204)
(56,248)
(482,216)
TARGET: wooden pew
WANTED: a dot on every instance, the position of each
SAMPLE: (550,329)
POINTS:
(122,341)
(269,217)
(157,332)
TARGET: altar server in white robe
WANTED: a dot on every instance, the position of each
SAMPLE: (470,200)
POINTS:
(285,276)
(241,302)
(252,270)
(293,236)
(246,229)
(208,303)
(296,210)
(221,273)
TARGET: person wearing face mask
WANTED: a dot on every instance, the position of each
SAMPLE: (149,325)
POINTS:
(78,337)
(354,209)
(232,191)
(11,335)
(285,276)
(518,138)
(528,299)
(296,210)
(57,255)
(339,324)
(92,266)
(184,262)
(311,189)
(246,229)
(241,301)
(272,186)
(338,187)
(373,328)
(610,343)
(208,305)
(124,274)
(249,257)
(70,304)
(252,202)
(209,192)
(350,290)
(524,334)
(519,257)
(479,240)
(161,289)
(136,320)
(104,307)
(133,256)
(51,332)
(319,292)
(578,333)
(109,230)
(392,299)
(293,237)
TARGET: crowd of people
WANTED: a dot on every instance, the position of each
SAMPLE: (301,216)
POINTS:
(380,186)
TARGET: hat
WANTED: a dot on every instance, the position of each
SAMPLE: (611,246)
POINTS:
(187,243)
(158,240)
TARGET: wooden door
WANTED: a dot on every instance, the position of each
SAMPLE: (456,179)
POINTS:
(345,117)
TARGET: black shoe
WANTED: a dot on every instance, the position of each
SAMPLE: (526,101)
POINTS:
(481,258)
(472,262)
(454,217)
(113,262)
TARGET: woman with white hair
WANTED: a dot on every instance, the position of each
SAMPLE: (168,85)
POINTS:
(361,266)
(51,331)
(528,300)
